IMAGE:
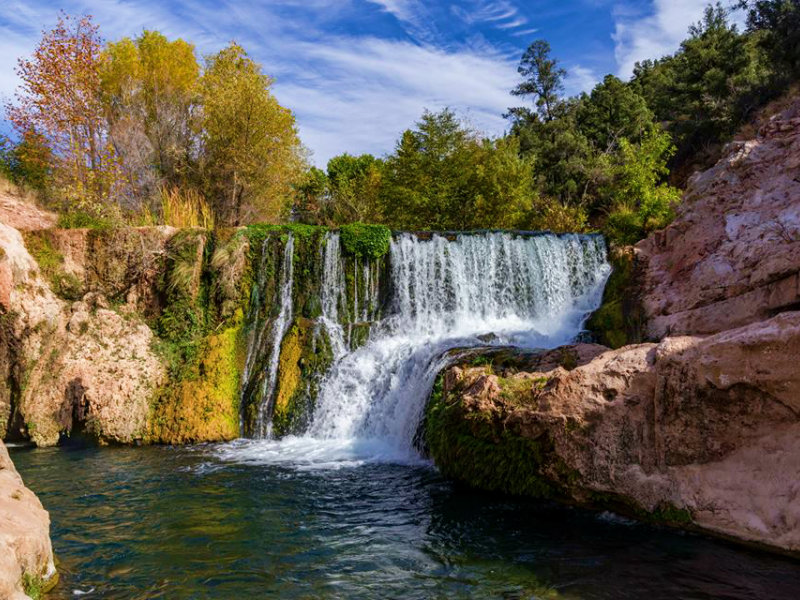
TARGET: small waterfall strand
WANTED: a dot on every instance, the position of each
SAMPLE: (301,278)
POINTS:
(279,328)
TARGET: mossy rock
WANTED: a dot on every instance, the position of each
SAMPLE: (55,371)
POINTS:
(43,248)
(203,405)
(369,242)
(620,319)
(305,357)
(475,448)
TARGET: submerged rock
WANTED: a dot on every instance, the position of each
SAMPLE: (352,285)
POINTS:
(693,431)
(26,555)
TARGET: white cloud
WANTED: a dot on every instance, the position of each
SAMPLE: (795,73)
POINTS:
(500,13)
(369,91)
(656,34)
(579,79)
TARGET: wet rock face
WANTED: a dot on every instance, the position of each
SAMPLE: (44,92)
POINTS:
(732,256)
(26,555)
(692,430)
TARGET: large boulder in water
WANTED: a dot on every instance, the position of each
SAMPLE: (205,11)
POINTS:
(26,555)
(699,432)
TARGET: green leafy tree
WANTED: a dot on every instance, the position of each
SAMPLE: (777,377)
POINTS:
(543,80)
(779,23)
(707,89)
(354,185)
(443,176)
(638,199)
(611,112)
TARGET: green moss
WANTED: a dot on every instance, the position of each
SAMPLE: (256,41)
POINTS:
(473,447)
(82,220)
(35,586)
(305,357)
(369,242)
(619,320)
(32,585)
(51,264)
(201,401)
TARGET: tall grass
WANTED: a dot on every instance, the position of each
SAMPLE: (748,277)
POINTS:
(185,208)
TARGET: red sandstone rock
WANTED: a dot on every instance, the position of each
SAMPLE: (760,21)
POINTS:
(732,256)
(710,425)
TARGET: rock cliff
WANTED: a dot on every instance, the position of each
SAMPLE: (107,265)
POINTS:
(699,427)
(26,556)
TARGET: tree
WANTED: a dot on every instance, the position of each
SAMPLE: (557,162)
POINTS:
(150,94)
(637,200)
(354,184)
(59,99)
(611,112)
(426,173)
(779,22)
(707,89)
(28,162)
(252,155)
(443,176)
(543,80)
(311,197)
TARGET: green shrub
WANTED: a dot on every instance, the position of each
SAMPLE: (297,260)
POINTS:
(82,220)
(366,241)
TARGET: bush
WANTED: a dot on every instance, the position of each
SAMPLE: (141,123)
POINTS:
(81,219)
(366,241)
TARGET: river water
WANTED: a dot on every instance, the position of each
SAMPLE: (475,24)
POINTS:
(234,521)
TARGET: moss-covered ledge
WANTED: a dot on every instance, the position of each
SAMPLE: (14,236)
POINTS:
(619,320)
(490,423)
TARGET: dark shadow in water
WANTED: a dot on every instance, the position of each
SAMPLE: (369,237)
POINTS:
(178,523)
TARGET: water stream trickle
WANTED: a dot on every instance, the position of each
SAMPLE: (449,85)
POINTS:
(279,327)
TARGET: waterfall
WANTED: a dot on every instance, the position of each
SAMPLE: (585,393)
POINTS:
(444,292)
(279,328)
(497,288)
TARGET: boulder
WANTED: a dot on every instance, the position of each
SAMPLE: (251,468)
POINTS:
(732,256)
(26,556)
(701,432)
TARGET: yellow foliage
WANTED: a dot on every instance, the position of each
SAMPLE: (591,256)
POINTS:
(185,208)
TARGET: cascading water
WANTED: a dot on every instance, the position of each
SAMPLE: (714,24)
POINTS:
(279,327)
(467,290)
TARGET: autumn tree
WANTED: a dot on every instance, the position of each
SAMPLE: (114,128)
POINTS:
(150,91)
(59,99)
(251,152)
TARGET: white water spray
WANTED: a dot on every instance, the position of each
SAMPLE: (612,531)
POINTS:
(499,289)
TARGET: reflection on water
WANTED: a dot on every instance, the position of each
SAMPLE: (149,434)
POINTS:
(188,523)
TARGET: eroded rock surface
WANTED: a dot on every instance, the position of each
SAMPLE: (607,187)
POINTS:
(732,256)
(26,555)
(691,430)
(69,366)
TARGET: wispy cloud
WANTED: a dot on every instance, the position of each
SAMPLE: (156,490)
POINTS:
(366,93)
(655,32)
(499,13)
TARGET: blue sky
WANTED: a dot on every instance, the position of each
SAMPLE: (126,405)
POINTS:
(358,72)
